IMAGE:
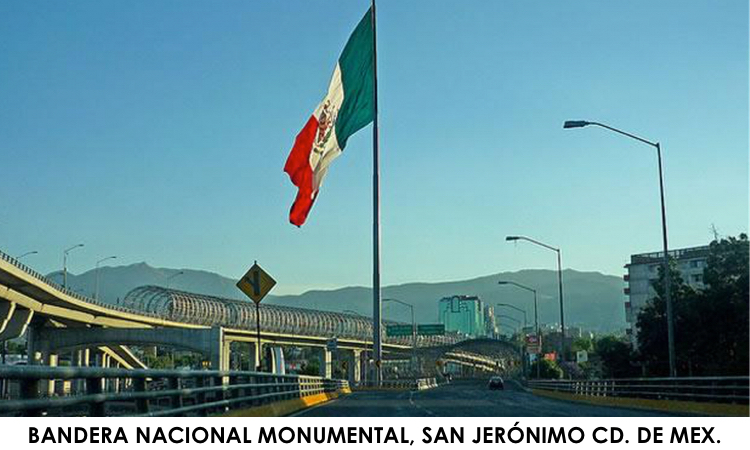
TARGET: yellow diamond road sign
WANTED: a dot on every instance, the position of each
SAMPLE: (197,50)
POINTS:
(256,283)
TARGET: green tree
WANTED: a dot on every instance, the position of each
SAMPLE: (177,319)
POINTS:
(711,324)
(616,356)
(310,368)
(547,370)
(583,343)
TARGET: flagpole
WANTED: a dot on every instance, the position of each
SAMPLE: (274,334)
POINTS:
(377,345)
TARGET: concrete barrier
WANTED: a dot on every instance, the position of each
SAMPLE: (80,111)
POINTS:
(287,407)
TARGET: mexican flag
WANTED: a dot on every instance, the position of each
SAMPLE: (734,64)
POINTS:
(348,106)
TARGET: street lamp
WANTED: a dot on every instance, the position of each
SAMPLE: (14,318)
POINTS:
(34,252)
(667,282)
(96,289)
(505,316)
(521,349)
(532,290)
(174,275)
(413,326)
(536,313)
(522,311)
(65,263)
(559,284)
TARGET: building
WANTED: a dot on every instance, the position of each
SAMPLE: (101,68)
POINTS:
(643,269)
(490,325)
(463,314)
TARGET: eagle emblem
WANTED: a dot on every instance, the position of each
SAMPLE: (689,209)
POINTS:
(325,127)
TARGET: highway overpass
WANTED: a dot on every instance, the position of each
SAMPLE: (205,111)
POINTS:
(59,320)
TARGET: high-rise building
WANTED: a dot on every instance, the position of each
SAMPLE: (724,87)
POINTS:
(490,325)
(643,269)
(463,314)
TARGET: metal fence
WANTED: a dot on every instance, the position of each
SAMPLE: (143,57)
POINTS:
(702,389)
(114,392)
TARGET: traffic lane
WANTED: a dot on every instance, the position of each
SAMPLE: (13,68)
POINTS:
(475,399)
(463,399)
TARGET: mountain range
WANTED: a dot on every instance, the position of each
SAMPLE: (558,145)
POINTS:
(593,301)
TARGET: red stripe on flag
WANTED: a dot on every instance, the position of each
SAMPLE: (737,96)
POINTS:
(299,170)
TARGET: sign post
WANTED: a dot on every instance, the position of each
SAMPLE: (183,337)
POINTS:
(256,284)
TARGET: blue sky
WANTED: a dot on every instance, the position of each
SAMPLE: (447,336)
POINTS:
(158,131)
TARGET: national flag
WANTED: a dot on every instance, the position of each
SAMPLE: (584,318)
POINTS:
(348,107)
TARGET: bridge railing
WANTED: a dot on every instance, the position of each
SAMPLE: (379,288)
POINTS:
(701,389)
(113,392)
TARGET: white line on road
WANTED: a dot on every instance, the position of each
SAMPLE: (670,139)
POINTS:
(413,403)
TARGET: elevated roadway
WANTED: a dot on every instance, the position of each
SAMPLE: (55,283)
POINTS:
(60,320)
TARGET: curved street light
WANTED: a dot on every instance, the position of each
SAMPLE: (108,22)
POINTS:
(65,263)
(536,312)
(413,326)
(665,262)
(522,311)
(33,252)
(174,275)
(96,289)
(559,284)
(532,290)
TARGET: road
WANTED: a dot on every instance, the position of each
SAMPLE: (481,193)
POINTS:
(462,399)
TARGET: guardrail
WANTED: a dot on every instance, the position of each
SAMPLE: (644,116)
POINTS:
(148,392)
(701,389)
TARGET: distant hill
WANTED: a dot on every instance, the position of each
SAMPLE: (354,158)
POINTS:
(116,281)
(592,300)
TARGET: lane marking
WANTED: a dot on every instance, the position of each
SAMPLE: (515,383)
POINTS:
(413,403)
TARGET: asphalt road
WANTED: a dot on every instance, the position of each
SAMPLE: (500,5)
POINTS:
(462,399)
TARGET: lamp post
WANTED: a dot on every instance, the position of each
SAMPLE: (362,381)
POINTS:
(96,289)
(563,353)
(667,282)
(505,316)
(65,263)
(521,350)
(536,314)
(413,327)
(522,311)
(174,275)
(18,258)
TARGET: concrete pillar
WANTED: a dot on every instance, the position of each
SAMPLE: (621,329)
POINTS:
(326,370)
(252,356)
(353,360)
(80,358)
(226,358)
(269,359)
(218,351)
(48,386)
(32,346)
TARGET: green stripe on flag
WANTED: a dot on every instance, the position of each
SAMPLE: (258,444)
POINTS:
(358,79)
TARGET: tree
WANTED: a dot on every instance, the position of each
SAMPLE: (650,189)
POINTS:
(310,368)
(616,356)
(548,370)
(582,343)
(711,324)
